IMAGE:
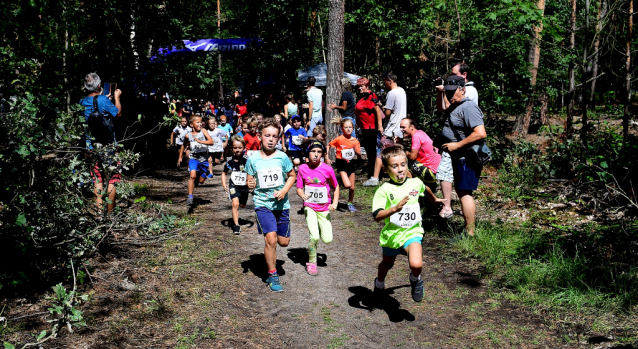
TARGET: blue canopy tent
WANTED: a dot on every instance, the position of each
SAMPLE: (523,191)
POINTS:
(320,72)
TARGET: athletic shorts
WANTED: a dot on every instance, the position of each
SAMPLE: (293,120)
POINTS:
(296,154)
(233,192)
(391,252)
(465,177)
(445,172)
(269,221)
(200,167)
(217,155)
(344,166)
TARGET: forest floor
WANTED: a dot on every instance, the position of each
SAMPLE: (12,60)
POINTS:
(206,288)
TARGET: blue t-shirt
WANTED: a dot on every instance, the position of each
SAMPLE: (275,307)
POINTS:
(226,128)
(106,107)
(270,175)
(295,133)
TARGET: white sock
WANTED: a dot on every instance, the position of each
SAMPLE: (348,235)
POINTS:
(412,278)
(379,284)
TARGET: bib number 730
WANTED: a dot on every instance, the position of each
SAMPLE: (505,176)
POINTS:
(407,217)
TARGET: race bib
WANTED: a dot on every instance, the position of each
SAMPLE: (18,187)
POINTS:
(407,217)
(296,140)
(250,153)
(271,177)
(347,154)
(318,195)
(198,147)
(238,178)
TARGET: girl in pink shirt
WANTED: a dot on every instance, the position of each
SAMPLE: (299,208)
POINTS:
(314,180)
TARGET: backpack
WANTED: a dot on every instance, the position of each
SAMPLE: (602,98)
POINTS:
(100,126)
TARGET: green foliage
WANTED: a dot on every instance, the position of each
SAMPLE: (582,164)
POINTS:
(523,170)
(63,307)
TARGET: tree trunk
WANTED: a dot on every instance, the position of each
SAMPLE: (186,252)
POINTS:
(585,96)
(569,122)
(522,123)
(625,117)
(335,63)
(219,53)
(458,19)
(602,6)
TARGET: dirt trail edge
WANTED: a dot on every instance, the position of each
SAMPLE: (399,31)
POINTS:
(207,289)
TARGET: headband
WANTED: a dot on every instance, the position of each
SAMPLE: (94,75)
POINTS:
(315,144)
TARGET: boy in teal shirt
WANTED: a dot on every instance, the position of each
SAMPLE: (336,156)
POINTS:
(397,204)
(270,175)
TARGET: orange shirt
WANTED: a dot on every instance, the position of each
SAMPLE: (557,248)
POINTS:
(343,143)
(252,142)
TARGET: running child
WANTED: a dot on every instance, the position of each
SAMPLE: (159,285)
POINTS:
(295,136)
(228,129)
(347,147)
(198,141)
(236,189)
(178,134)
(313,186)
(266,170)
(253,144)
(217,150)
(319,133)
(281,143)
(397,204)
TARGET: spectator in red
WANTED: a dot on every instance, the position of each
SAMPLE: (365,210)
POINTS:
(369,119)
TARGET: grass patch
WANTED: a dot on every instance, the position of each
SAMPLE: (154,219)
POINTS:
(560,270)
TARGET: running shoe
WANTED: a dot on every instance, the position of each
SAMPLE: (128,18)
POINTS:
(351,208)
(417,290)
(376,289)
(210,175)
(372,182)
(189,201)
(311,268)
(273,283)
(236,229)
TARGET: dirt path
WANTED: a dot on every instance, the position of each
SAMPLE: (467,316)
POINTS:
(207,289)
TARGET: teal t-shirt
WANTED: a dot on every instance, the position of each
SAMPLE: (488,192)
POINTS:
(270,175)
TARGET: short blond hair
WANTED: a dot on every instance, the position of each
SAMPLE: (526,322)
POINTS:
(238,138)
(270,122)
(390,152)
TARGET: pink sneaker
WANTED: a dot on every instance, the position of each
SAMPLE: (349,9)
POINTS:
(312,268)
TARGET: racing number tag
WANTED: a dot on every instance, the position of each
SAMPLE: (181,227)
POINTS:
(270,177)
(238,178)
(317,195)
(347,154)
(407,217)
(296,140)
(250,153)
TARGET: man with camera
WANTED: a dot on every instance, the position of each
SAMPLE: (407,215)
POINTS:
(99,112)
(463,128)
(442,104)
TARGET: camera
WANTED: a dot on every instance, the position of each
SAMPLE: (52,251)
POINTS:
(437,82)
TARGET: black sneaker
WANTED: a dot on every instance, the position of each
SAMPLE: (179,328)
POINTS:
(417,290)
(376,289)
(236,229)
(189,201)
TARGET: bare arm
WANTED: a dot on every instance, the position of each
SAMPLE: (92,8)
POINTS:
(224,178)
(383,214)
(117,102)
(412,154)
(441,100)
(279,195)
(477,134)
(379,119)
(208,141)
(335,199)
(301,194)
(286,111)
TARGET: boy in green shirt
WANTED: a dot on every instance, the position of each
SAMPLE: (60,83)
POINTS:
(397,204)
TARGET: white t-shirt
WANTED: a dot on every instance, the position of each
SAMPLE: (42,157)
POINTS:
(397,102)
(471,92)
(180,133)
(217,135)
(315,96)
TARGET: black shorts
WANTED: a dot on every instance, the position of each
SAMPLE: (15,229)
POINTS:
(423,173)
(344,166)
(242,194)
(296,154)
(218,155)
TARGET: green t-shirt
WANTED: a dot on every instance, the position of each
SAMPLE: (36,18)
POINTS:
(405,224)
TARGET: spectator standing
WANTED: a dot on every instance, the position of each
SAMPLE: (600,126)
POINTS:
(290,108)
(442,104)
(423,158)
(463,128)
(92,84)
(346,103)
(369,119)
(315,100)
(395,107)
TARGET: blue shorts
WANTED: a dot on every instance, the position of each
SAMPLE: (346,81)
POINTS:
(269,221)
(465,177)
(393,252)
(200,167)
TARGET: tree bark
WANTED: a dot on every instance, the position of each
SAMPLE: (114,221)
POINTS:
(458,19)
(585,96)
(335,63)
(522,123)
(219,53)
(569,122)
(625,117)
(602,6)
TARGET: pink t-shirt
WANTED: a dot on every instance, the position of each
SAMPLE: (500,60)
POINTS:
(428,155)
(322,176)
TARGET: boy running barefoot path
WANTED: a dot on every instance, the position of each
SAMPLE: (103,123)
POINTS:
(236,189)
(266,170)
(397,204)
(313,186)
(198,141)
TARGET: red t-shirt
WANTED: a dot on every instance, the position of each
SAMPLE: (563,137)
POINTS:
(241,109)
(252,142)
(365,113)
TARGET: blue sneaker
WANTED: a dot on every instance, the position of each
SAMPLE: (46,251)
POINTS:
(210,175)
(351,208)
(273,283)
(417,290)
